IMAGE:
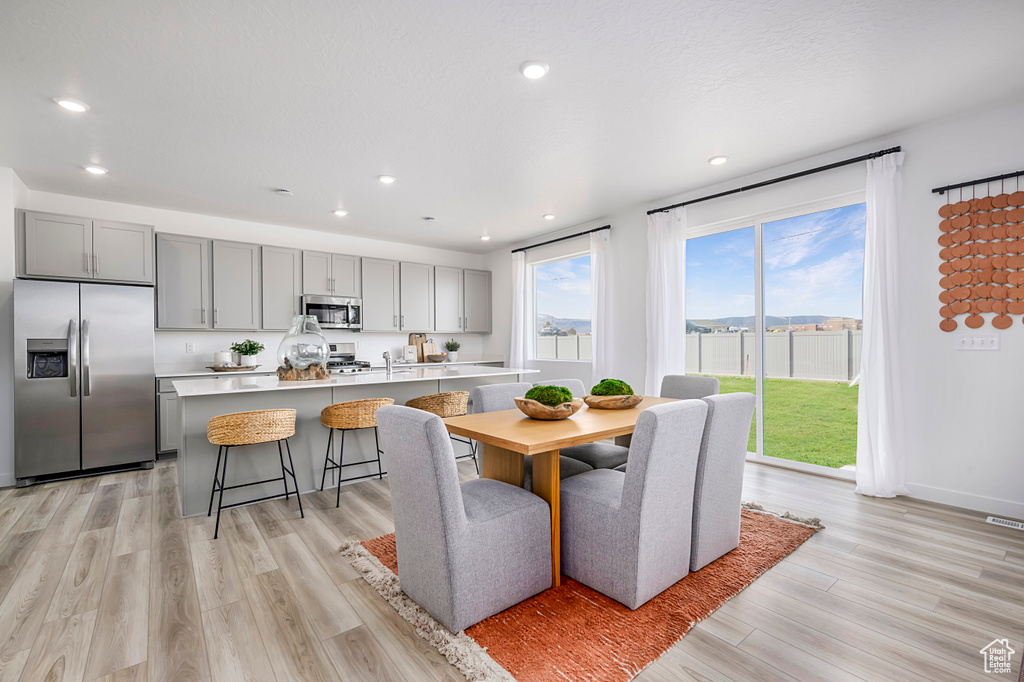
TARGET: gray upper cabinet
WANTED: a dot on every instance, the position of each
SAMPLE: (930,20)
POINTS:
(236,285)
(69,247)
(183,282)
(346,278)
(316,273)
(478,301)
(416,312)
(380,295)
(122,252)
(282,286)
(448,299)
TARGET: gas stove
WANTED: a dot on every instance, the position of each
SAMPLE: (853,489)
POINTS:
(343,359)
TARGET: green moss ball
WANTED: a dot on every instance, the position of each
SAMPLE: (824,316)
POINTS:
(550,395)
(612,387)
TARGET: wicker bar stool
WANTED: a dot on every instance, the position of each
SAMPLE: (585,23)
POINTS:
(450,404)
(348,416)
(250,428)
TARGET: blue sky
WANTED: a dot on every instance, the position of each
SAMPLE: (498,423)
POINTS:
(563,288)
(814,265)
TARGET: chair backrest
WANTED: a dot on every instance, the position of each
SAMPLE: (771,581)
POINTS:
(727,429)
(578,388)
(494,397)
(687,387)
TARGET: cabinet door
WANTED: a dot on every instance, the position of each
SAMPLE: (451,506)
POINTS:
(122,251)
(58,246)
(345,276)
(448,300)
(416,312)
(478,301)
(236,285)
(182,282)
(169,426)
(380,295)
(316,273)
(282,286)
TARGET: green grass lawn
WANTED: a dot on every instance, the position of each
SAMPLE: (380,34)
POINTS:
(805,421)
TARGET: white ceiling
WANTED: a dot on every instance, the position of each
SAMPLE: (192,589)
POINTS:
(207,106)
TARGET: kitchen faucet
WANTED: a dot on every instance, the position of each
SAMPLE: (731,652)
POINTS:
(387,361)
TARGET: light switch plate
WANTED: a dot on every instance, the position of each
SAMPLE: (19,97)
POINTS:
(190,347)
(977,342)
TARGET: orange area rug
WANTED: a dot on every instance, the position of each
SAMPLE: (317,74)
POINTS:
(572,632)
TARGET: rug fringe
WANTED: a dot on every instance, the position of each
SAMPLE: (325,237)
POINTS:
(462,651)
(811,522)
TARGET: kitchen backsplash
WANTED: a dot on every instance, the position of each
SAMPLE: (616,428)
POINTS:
(170,346)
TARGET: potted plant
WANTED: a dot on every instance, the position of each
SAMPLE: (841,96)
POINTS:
(452,346)
(247,351)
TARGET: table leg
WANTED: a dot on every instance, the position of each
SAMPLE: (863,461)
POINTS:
(502,465)
(546,485)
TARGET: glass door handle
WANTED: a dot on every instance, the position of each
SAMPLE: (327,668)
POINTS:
(86,376)
(73,356)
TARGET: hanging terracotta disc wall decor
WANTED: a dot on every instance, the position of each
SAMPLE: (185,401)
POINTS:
(982,251)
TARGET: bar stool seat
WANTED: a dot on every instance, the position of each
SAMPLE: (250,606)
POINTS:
(349,416)
(449,404)
(250,428)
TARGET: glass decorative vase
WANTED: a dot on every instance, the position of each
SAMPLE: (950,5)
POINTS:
(304,345)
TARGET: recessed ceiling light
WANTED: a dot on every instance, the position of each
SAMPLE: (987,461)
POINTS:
(386,179)
(485,237)
(533,69)
(549,216)
(283,192)
(341,213)
(97,170)
(718,160)
(72,104)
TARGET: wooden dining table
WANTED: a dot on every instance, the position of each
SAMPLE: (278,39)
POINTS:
(509,435)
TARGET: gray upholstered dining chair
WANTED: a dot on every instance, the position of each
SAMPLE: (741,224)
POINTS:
(465,551)
(683,387)
(495,397)
(595,455)
(627,535)
(718,490)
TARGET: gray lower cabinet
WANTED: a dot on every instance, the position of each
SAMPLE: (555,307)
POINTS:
(478,301)
(167,419)
(380,295)
(448,299)
(83,249)
(236,285)
(183,282)
(416,310)
(281,286)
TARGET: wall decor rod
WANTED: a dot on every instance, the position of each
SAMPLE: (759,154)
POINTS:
(562,239)
(792,176)
(1004,176)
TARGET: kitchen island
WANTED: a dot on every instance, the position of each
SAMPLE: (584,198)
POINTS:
(200,399)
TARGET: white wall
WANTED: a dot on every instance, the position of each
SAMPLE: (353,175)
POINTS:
(962,408)
(170,346)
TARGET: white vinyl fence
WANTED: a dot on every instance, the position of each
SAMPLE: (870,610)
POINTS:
(829,356)
(578,347)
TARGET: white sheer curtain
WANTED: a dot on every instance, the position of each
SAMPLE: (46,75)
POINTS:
(517,352)
(600,306)
(881,448)
(666,297)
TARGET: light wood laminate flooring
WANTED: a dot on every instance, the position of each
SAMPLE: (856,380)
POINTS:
(101,579)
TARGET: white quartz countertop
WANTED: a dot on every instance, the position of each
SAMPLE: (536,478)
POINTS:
(253,383)
(167,371)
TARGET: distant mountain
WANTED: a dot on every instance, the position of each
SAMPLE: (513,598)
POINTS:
(772,321)
(581,326)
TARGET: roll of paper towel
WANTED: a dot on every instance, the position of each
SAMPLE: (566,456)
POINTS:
(221,358)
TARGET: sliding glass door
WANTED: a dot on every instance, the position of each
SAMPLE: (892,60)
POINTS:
(773,307)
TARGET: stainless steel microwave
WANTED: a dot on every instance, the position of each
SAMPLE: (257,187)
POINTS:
(333,312)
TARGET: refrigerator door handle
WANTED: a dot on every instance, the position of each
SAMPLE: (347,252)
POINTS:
(73,356)
(86,379)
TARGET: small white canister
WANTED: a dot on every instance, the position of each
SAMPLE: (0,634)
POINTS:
(222,357)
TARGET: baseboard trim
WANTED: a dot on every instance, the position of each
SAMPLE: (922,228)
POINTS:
(979,503)
(7,479)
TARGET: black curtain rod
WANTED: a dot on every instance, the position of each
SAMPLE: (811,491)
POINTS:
(793,176)
(562,239)
(1004,176)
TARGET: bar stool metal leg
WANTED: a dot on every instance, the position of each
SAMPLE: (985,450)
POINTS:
(341,463)
(376,439)
(220,500)
(327,459)
(284,480)
(288,447)
(216,473)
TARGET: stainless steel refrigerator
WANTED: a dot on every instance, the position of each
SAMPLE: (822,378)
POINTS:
(84,395)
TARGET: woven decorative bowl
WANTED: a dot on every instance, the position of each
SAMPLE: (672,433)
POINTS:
(437,357)
(535,410)
(613,402)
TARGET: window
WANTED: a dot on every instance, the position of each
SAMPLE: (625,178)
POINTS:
(561,305)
